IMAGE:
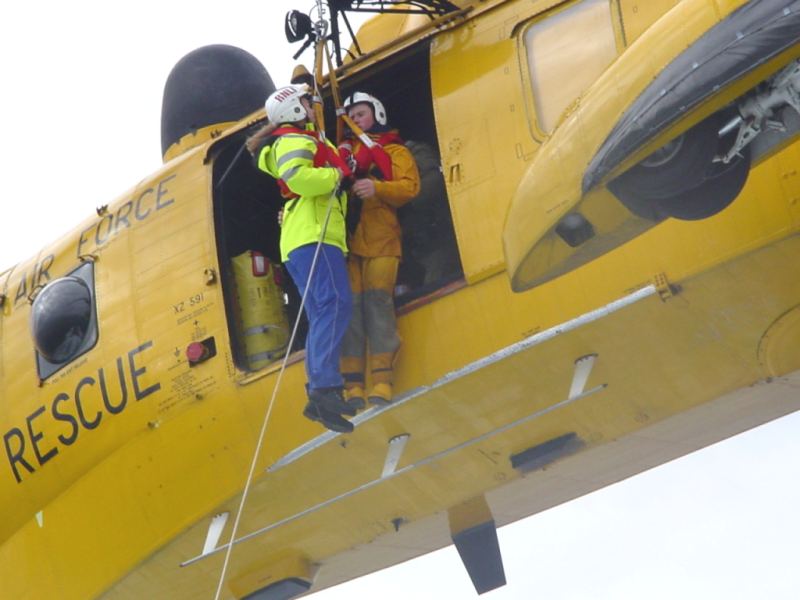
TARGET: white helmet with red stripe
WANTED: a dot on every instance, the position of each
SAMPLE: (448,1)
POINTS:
(377,106)
(284,106)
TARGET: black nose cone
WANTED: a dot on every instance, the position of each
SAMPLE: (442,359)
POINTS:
(210,85)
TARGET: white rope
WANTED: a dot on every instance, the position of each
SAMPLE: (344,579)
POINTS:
(265,422)
(320,28)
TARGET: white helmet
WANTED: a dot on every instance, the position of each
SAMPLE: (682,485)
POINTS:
(283,105)
(377,106)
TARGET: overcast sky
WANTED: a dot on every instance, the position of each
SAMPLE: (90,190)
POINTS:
(81,102)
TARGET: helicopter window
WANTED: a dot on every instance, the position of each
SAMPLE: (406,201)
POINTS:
(566,52)
(64,320)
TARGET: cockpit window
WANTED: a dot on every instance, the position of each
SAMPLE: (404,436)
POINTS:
(63,320)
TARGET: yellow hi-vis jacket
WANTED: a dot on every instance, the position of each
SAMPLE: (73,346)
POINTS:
(290,157)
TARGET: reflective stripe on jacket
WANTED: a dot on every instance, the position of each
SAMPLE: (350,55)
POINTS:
(290,157)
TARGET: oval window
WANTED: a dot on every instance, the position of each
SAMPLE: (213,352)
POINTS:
(61,319)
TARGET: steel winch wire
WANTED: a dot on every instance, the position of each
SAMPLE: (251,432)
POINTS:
(259,444)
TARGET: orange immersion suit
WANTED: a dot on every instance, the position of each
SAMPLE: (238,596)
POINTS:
(375,251)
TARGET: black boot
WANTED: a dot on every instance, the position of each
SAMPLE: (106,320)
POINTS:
(356,404)
(331,420)
(332,399)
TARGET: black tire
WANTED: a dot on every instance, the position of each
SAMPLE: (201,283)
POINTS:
(678,166)
(719,189)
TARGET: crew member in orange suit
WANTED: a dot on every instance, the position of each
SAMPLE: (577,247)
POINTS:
(386,177)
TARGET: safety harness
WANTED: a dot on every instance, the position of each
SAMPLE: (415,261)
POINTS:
(365,157)
(325,155)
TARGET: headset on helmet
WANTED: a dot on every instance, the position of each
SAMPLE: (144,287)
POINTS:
(377,106)
(284,106)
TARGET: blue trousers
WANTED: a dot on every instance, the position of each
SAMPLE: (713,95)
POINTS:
(329,306)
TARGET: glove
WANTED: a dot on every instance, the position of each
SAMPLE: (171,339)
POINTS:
(346,183)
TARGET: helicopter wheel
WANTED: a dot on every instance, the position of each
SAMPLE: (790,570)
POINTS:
(681,179)
(713,195)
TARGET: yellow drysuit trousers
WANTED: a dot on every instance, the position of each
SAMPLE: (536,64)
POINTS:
(373,327)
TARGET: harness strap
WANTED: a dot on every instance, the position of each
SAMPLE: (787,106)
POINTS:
(366,156)
(325,155)
(337,101)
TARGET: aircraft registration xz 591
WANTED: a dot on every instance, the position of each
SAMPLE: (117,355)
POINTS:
(601,274)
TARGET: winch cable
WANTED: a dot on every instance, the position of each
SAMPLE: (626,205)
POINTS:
(262,434)
(320,49)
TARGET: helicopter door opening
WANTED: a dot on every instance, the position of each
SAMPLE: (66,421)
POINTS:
(431,263)
(261,302)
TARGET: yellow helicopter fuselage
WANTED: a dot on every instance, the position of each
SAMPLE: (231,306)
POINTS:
(664,337)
